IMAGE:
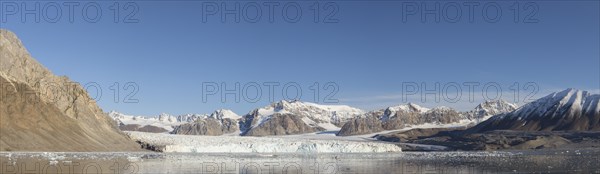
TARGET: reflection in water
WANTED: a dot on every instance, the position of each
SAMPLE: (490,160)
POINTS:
(547,161)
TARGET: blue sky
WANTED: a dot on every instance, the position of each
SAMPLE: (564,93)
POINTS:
(369,53)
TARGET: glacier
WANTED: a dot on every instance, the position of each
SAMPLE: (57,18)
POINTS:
(237,144)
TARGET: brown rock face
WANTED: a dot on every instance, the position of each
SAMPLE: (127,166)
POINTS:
(440,116)
(209,126)
(43,112)
(229,125)
(372,123)
(282,124)
(361,126)
(402,119)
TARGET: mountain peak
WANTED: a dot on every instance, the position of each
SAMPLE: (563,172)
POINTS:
(409,107)
(569,99)
(312,114)
(10,38)
(568,90)
(224,113)
(567,93)
(489,104)
(570,109)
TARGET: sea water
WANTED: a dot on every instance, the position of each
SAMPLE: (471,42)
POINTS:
(545,161)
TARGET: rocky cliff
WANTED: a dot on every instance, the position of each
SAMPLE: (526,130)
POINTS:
(40,111)
(361,126)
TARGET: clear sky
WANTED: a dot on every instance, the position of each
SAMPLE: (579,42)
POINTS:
(368,49)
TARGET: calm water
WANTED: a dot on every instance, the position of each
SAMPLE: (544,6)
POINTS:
(547,161)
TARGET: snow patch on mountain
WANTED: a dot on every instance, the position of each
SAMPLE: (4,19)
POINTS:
(490,108)
(391,111)
(224,113)
(564,103)
(164,121)
(567,110)
(412,115)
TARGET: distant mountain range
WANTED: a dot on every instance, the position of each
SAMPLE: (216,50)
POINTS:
(566,110)
(280,118)
(412,115)
(297,117)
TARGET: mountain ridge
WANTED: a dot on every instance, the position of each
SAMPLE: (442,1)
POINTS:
(298,117)
(411,115)
(567,110)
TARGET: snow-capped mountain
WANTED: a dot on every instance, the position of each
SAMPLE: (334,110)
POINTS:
(164,121)
(225,120)
(296,117)
(392,111)
(490,108)
(167,121)
(327,117)
(316,112)
(224,113)
(566,110)
(220,122)
(413,115)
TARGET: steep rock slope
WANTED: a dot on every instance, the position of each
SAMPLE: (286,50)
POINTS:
(43,112)
(361,126)
(568,110)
